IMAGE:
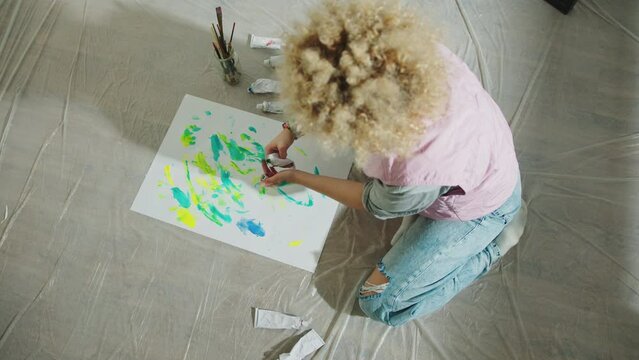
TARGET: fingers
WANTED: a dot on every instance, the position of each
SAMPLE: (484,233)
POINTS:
(268,171)
(270,148)
(273,180)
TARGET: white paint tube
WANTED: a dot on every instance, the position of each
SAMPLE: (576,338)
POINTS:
(307,345)
(274,61)
(268,319)
(273,107)
(264,86)
(262,42)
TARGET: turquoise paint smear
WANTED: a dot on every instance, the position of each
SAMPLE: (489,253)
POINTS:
(289,198)
(260,151)
(252,226)
(181,197)
(216,147)
(207,209)
(208,113)
(236,152)
(212,213)
(252,129)
(225,177)
(316,171)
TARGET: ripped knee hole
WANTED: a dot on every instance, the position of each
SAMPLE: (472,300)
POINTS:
(375,284)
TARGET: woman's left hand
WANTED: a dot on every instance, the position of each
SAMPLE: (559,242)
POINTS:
(282,176)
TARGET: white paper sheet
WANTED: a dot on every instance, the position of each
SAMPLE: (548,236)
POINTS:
(205,178)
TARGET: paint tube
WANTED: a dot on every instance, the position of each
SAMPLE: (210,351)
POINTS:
(307,344)
(274,61)
(268,319)
(273,107)
(264,86)
(260,42)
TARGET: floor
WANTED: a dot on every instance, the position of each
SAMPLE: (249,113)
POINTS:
(88,89)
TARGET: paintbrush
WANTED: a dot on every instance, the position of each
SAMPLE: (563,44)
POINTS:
(219,43)
(220,26)
(231,38)
(213,36)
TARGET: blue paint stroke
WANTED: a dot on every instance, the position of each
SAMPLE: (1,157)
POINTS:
(251,225)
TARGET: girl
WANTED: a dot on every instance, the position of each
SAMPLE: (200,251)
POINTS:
(370,76)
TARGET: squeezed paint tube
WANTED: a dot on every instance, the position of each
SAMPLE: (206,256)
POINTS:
(264,86)
(268,319)
(262,42)
(304,347)
(273,107)
(274,61)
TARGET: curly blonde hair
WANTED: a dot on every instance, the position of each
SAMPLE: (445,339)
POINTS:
(363,74)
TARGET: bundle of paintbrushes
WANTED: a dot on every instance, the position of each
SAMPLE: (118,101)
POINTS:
(224,50)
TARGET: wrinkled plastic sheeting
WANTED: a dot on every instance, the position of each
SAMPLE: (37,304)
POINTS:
(87,92)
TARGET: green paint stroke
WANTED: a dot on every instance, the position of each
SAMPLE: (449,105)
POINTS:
(181,197)
(208,113)
(188,136)
(201,163)
(238,169)
(216,147)
(252,129)
(316,171)
(291,199)
(245,137)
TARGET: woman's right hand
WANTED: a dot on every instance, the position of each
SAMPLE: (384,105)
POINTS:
(281,143)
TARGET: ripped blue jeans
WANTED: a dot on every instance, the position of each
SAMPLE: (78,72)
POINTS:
(433,261)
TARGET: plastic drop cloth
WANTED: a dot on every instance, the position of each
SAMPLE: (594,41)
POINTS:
(88,89)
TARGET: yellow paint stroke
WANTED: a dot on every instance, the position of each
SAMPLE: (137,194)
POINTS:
(185,217)
(299,150)
(167,175)
(295,243)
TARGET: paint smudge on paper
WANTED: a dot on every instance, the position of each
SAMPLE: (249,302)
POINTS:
(215,191)
(295,243)
(167,175)
(291,199)
(208,113)
(181,197)
(188,136)
(299,150)
(252,226)
(185,217)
